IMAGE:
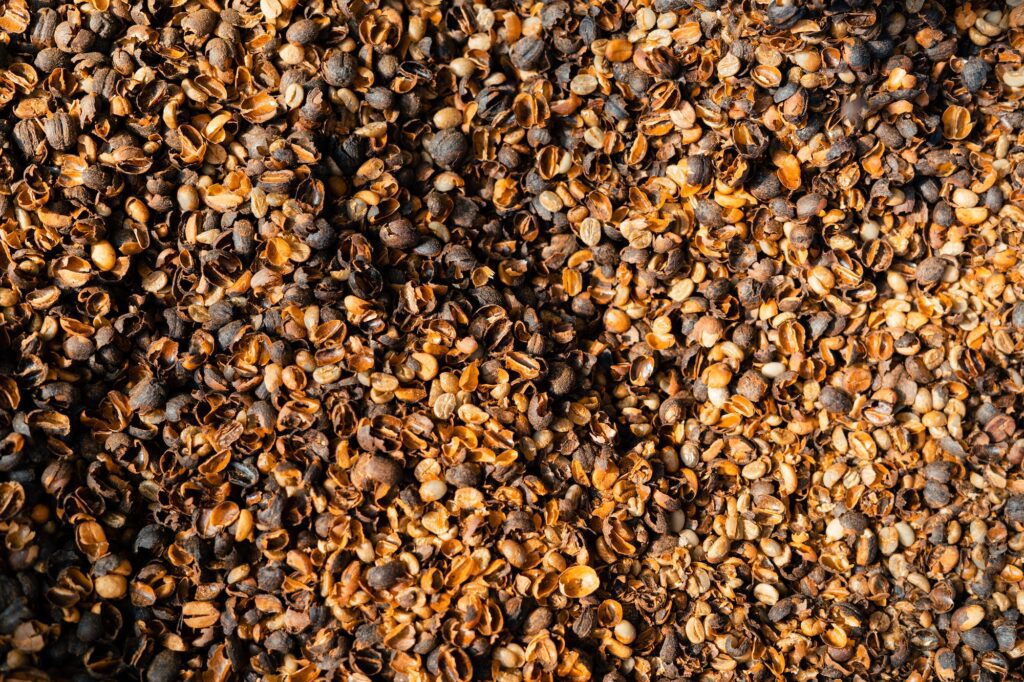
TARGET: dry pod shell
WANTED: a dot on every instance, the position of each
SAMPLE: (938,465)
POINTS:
(956,123)
(577,582)
(968,617)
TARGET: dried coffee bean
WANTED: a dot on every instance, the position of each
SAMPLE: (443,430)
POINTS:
(381,469)
(201,22)
(302,32)
(930,270)
(61,131)
(528,53)
(386,576)
(979,640)
(399,234)
(835,400)
(974,73)
(163,668)
(448,148)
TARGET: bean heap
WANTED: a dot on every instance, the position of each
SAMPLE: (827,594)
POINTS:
(511,340)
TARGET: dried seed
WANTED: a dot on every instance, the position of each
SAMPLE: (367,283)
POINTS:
(103,255)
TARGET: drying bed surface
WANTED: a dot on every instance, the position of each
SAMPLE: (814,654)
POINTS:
(576,340)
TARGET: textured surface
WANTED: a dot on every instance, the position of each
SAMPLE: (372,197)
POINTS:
(511,340)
